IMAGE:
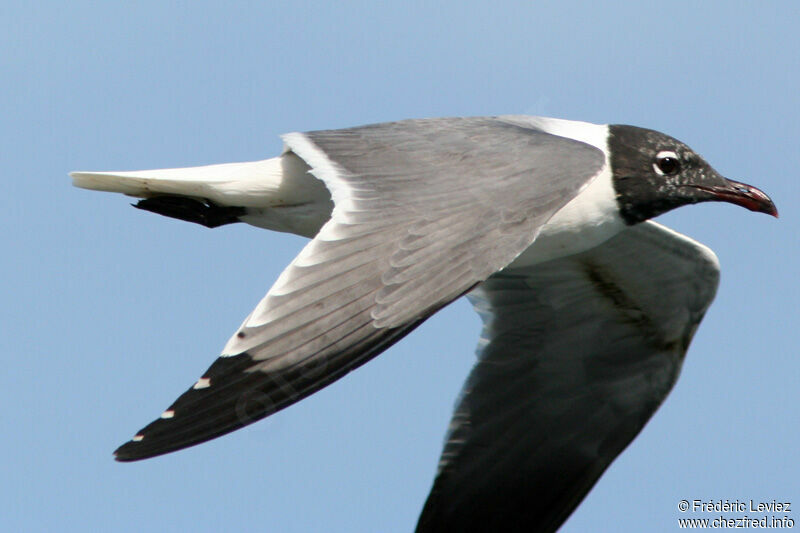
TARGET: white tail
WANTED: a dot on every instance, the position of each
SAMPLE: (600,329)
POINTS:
(278,194)
(272,182)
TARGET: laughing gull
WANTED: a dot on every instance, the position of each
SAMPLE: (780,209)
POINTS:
(588,308)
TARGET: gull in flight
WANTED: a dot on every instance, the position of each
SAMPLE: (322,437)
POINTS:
(588,307)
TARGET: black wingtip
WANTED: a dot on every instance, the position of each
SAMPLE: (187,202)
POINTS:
(126,453)
(224,399)
(137,449)
(134,450)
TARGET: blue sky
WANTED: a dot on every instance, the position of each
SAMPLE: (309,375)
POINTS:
(109,313)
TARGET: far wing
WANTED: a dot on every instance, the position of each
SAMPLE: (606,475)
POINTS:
(423,210)
(575,357)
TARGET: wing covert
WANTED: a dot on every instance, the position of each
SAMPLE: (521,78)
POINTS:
(423,210)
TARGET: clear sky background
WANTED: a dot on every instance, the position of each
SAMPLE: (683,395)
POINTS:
(109,313)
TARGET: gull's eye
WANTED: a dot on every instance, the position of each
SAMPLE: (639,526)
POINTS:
(667,163)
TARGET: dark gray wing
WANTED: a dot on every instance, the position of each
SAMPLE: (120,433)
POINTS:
(424,210)
(575,356)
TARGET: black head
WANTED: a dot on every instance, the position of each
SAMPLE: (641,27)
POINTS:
(653,173)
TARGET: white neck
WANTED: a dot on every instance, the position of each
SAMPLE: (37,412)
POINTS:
(591,217)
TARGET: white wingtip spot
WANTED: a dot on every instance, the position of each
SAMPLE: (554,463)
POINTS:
(137,438)
(202,383)
(169,413)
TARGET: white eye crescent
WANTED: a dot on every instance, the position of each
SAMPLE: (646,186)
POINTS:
(666,163)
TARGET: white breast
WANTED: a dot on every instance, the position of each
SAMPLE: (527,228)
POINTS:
(590,218)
